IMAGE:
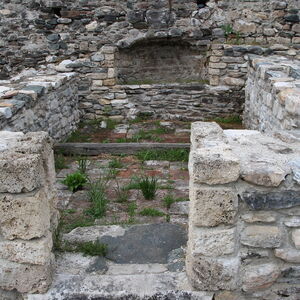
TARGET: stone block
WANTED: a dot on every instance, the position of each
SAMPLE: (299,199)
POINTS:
(212,241)
(263,174)
(260,276)
(272,200)
(234,81)
(25,278)
(296,238)
(24,216)
(261,216)
(212,274)
(288,254)
(214,165)
(36,251)
(261,236)
(212,207)
(20,173)
(204,131)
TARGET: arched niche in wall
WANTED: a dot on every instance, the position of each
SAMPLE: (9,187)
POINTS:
(161,61)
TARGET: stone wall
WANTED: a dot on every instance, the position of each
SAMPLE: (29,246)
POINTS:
(39,32)
(244,224)
(40,101)
(273,94)
(228,64)
(28,214)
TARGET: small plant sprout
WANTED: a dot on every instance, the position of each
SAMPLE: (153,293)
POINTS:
(115,164)
(82,164)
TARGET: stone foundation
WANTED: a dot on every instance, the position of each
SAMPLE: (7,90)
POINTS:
(244,220)
(28,214)
(272,94)
(40,101)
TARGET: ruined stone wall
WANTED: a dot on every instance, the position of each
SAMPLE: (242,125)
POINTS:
(40,101)
(244,224)
(37,32)
(272,94)
(28,215)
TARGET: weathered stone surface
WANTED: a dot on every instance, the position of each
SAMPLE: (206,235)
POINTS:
(261,236)
(261,216)
(296,238)
(212,207)
(214,165)
(212,241)
(272,200)
(25,216)
(25,278)
(262,174)
(260,276)
(212,273)
(36,252)
(152,243)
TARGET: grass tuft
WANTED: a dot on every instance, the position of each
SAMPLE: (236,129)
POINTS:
(148,187)
(170,155)
(151,212)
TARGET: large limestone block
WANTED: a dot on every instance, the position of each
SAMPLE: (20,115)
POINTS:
(24,216)
(260,276)
(20,173)
(25,278)
(214,165)
(212,207)
(261,236)
(201,131)
(36,251)
(212,274)
(212,241)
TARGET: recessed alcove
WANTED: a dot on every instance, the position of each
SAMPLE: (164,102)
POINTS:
(161,61)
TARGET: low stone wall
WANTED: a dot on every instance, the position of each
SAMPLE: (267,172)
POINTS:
(228,64)
(272,94)
(40,101)
(244,224)
(168,101)
(28,214)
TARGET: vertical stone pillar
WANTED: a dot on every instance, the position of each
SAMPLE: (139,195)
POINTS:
(28,212)
(212,260)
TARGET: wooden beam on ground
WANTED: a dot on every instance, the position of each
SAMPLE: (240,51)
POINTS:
(114,148)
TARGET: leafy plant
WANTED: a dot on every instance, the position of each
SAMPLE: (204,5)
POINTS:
(75,181)
(115,164)
(151,212)
(97,195)
(82,163)
(174,154)
(92,248)
(122,192)
(148,187)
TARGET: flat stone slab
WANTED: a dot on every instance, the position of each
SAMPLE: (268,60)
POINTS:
(144,244)
(132,287)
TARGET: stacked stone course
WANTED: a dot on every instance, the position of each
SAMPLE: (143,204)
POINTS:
(245,218)
(28,214)
(273,94)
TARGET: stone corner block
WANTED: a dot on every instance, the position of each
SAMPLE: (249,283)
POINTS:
(213,206)
(214,165)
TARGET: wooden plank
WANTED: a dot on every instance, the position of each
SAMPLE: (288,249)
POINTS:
(114,148)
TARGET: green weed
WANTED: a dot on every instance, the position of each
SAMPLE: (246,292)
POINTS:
(82,163)
(115,164)
(151,212)
(169,155)
(92,248)
(75,181)
(78,137)
(60,161)
(170,199)
(132,207)
(229,119)
(148,187)
(111,124)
